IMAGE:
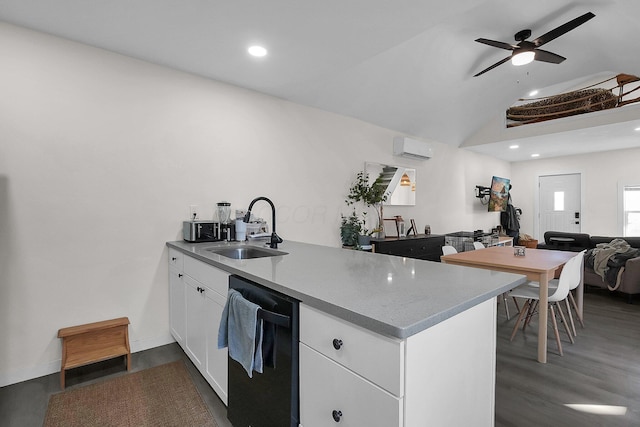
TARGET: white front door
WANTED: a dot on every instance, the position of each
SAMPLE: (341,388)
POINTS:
(560,202)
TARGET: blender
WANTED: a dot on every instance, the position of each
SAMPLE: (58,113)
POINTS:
(224,218)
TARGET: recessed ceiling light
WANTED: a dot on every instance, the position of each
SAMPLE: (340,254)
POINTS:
(535,155)
(638,129)
(533,93)
(258,51)
(513,147)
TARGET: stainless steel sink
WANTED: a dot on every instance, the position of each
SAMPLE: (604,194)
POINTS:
(245,252)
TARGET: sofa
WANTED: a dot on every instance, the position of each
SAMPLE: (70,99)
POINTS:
(629,282)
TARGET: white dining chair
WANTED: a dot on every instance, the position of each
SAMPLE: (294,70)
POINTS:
(570,300)
(505,295)
(571,273)
(448,250)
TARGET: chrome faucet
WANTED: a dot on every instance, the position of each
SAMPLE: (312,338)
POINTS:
(275,239)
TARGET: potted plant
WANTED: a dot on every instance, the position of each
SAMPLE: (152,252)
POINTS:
(350,229)
(371,195)
(364,238)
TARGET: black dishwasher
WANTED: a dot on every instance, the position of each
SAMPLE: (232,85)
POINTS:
(269,399)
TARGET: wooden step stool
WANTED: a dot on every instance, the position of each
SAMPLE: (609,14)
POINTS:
(94,342)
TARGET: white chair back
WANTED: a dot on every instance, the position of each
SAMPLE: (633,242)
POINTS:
(577,282)
(570,276)
(448,250)
(478,245)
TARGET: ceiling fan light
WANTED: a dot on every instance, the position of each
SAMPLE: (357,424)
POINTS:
(522,57)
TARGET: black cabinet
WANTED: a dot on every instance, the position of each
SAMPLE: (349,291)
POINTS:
(422,246)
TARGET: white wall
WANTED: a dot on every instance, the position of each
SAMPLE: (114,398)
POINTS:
(601,173)
(101,156)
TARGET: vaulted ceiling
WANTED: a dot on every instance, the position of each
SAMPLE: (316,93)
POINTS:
(404,65)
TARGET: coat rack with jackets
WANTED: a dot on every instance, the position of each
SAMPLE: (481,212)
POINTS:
(510,220)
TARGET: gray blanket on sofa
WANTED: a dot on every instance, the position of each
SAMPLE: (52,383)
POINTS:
(608,259)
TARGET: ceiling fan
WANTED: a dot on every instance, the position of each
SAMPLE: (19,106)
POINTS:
(526,51)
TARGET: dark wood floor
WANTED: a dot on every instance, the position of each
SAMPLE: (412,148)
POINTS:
(601,368)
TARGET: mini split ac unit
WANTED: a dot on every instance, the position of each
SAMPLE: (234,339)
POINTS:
(412,148)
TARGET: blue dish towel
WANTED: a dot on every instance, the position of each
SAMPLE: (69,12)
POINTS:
(269,330)
(241,331)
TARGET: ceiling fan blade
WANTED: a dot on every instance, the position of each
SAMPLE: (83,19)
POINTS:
(562,29)
(500,45)
(493,66)
(546,56)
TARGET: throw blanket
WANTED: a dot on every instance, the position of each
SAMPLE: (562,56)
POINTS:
(608,259)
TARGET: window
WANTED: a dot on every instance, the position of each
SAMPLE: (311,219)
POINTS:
(630,210)
(558,201)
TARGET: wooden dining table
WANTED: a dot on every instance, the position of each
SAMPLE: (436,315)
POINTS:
(539,265)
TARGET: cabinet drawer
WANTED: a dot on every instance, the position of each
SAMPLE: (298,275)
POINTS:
(409,251)
(429,247)
(325,387)
(176,259)
(431,255)
(212,277)
(377,358)
(206,293)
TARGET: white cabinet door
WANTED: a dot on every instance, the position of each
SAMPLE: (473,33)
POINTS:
(177,306)
(331,394)
(216,362)
(195,343)
(202,305)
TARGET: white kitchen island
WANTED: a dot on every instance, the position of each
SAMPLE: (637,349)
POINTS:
(384,341)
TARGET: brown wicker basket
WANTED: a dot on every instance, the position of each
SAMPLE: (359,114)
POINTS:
(532,244)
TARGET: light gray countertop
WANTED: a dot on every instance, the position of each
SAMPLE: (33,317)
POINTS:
(390,295)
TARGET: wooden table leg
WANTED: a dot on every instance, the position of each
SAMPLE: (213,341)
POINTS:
(543,311)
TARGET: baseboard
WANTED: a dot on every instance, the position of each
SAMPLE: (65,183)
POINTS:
(53,367)
(29,373)
(146,344)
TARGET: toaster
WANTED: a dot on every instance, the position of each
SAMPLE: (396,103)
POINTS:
(201,231)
